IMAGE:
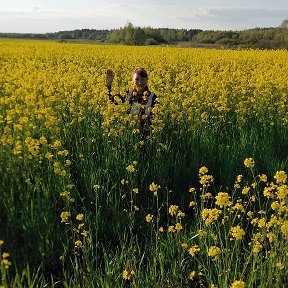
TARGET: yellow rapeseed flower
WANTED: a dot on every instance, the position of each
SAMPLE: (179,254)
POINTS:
(249,163)
(149,218)
(203,170)
(193,250)
(135,190)
(223,199)
(238,284)
(280,177)
(192,275)
(65,216)
(237,232)
(173,209)
(284,228)
(127,274)
(78,244)
(214,252)
(80,217)
(131,168)
(178,226)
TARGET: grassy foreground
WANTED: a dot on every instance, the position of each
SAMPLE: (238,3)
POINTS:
(84,202)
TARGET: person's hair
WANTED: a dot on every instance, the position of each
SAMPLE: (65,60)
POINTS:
(141,71)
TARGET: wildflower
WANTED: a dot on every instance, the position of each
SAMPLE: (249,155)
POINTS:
(257,247)
(49,155)
(261,223)
(214,252)
(65,216)
(249,162)
(192,275)
(5,255)
(80,226)
(210,215)
(268,192)
(203,170)
(56,144)
(149,218)
(282,192)
(84,233)
(206,195)
(193,250)
(192,203)
(271,237)
(245,190)
(6,263)
(80,217)
(180,214)
(238,207)
(222,199)
(135,190)
(250,214)
(136,208)
(280,177)
(237,232)
(78,244)
(65,194)
(201,232)
(192,190)
(263,178)
(184,245)
(123,181)
(178,227)
(171,229)
(63,153)
(1,242)
(238,284)
(130,168)
(154,188)
(70,186)
(173,210)
(284,228)
(161,229)
(127,274)
(279,265)
(239,178)
(206,179)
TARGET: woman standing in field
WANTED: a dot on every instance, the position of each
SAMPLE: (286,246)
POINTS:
(140,98)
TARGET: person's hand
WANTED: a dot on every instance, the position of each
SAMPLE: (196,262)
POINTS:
(109,77)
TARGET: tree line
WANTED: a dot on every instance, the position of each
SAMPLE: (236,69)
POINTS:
(265,38)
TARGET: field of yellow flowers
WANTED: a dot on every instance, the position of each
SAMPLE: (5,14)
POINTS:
(85,202)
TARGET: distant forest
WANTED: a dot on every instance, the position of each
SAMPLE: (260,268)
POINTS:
(262,38)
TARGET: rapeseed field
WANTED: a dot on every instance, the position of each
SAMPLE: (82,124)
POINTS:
(86,202)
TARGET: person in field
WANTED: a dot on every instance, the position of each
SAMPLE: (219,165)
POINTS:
(140,98)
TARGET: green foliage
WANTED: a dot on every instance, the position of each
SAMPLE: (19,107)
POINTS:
(266,38)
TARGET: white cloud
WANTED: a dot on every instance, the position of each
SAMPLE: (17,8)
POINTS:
(233,18)
(43,19)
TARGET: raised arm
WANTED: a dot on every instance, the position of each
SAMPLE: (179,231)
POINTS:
(109,78)
(108,83)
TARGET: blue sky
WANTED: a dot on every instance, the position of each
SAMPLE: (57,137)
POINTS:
(31,16)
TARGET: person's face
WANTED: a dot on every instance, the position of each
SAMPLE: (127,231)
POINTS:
(139,81)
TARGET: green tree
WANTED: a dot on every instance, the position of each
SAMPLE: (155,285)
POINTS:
(139,36)
(284,24)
